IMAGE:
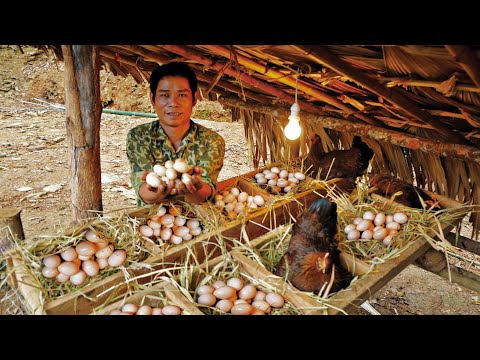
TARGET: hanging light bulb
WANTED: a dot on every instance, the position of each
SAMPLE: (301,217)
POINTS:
(293,130)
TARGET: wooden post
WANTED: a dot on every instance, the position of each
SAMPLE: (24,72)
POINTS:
(83,112)
(11,228)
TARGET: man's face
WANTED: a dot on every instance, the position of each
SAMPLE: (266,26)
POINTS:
(174,101)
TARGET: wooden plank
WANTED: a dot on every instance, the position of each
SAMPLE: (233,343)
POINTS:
(459,276)
(179,299)
(27,285)
(299,299)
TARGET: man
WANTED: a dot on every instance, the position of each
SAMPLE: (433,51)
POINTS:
(174,135)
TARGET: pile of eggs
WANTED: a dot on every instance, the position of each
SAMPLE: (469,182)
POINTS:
(168,224)
(237,298)
(134,309)
(376,226)
(234,202)
(279,180)
(87,258)
(170,171)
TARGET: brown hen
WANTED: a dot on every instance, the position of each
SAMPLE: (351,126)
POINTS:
(409,195)
(348,164)
(312,258)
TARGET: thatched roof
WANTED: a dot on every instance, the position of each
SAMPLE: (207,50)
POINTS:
(417,106)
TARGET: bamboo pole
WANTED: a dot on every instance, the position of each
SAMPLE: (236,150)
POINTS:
(206,61)
(290,81)
(436,147)
(323,56)
(392,81)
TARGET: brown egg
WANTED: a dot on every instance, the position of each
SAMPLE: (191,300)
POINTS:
(224,292)
(68,268)
(364,225)
(144,310)
(262,305)
(242,309)
(353,235)
(380,234)
(247,292)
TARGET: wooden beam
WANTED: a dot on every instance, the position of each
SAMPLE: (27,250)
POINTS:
(395,81)
(11,228)
(292,82)
(464,243)
(468,60)
(409,141)
(325,57)
(83,112)
(459,276)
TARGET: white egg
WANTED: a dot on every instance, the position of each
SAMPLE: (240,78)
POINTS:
(207,299)
(117,258)
(205,289)
(369,215)
(349,228)
(218,284)
(400,218)
(274,299)
(258,200)
(176,239)
(235,283)
(69,254)
(52,261)
(353,235)
(171,310)
(92,236)
(78,278)
(130,308)
(90,267)
(160,170)
(153,180)
(145,230)
(106,252)
(224,305)
(49,272)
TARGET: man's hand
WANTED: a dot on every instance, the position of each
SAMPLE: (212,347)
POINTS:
(151,195)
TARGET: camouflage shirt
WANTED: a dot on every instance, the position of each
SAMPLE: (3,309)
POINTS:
(148,144)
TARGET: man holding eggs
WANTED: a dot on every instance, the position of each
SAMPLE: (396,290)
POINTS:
(174,135)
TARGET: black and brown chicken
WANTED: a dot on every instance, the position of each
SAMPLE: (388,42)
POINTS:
(345,164)
(312,261)
(408,194)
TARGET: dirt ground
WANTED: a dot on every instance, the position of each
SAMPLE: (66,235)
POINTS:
(34,168)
